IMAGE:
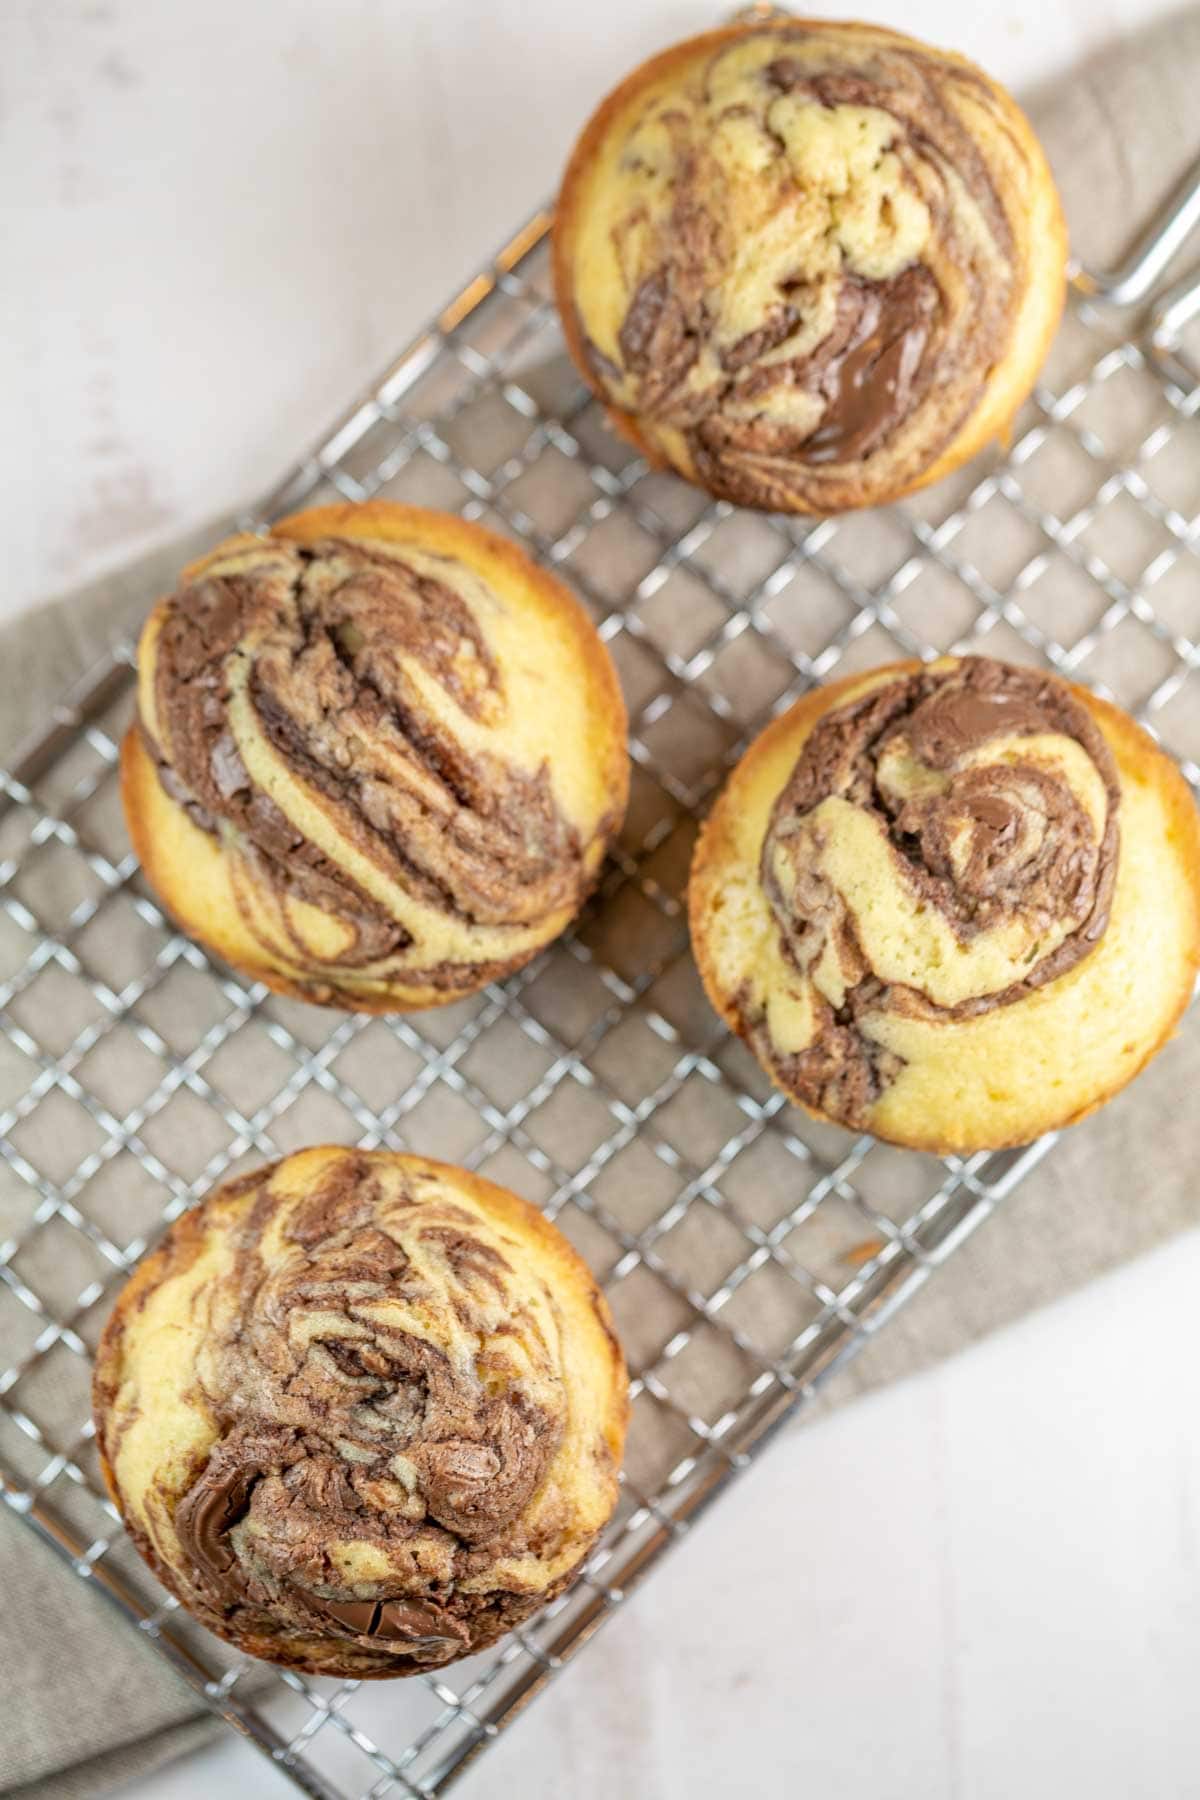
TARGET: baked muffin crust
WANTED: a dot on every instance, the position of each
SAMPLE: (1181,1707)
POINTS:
(362,1412)
(379,756)
(809,265)
(956,904)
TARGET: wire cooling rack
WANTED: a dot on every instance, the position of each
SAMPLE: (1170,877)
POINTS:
(746,1250)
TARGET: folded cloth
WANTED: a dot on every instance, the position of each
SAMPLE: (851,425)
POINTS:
(89,1705)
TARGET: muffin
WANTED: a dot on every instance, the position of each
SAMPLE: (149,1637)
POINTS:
(361,1413)
(956,905)
(378,756)
(809,265)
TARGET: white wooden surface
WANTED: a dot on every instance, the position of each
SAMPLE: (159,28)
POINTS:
(220,218)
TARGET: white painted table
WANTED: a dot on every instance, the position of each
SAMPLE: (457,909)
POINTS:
(222,218)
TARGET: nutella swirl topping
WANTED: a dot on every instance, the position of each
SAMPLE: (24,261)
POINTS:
(800,269)
(338,715)
(389,1395)
(947,843)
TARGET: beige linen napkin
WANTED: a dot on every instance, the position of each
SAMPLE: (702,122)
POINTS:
(89,1705)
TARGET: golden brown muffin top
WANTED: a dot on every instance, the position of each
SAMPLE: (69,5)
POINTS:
(799,255)
(954,904)
(365,1401)
(370,727)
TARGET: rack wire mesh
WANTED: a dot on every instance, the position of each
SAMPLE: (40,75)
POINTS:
(747,1251)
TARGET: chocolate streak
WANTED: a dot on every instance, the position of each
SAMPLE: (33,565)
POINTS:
(988,841)
(901,351)
(330,630)
(314,1423)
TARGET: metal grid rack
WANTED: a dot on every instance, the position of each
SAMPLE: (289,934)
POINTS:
(747,1251)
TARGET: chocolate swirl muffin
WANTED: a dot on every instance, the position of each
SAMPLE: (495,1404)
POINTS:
(362,1413)
(809,265)
(378,758)
(956,905)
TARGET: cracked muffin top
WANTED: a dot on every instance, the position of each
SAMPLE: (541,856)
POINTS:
(378,755)
(810,266)
(955,904)
(362,1413)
